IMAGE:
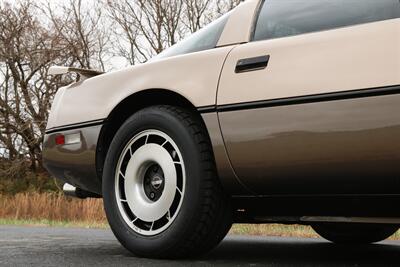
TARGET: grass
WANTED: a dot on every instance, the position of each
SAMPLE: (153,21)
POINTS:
(273,230)
(237,229)
(53,207)
(56,210)
(49,223)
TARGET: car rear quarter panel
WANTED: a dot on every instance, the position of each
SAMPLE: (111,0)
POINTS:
(193,76)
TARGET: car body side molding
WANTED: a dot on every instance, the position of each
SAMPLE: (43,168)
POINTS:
(351,94)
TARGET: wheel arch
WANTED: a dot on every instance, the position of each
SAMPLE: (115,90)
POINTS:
(127,107)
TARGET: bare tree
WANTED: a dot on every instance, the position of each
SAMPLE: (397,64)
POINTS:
(149,26)
(196,14)
(36,35)
(224,6)
(29,45)
(26,50)
(146,27)
(83,29)
(126,42)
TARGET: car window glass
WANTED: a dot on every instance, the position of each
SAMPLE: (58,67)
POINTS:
(280,18)
(204,39)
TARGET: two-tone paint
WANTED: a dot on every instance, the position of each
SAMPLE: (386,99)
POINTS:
(319,118)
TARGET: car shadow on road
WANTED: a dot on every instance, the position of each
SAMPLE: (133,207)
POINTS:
(302,252)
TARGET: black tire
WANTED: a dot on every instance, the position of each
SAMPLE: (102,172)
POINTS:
(354,233)
(205,215)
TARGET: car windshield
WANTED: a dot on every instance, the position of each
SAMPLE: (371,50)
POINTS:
(204,39)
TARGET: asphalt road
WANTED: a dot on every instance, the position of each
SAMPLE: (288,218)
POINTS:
(35,246)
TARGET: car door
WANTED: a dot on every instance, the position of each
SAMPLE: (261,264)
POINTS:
(311,105)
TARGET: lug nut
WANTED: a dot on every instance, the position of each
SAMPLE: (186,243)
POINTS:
(152,195)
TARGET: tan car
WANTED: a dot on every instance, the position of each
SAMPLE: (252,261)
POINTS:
(278,112)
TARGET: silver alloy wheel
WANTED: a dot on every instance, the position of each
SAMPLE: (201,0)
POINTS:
(150,182)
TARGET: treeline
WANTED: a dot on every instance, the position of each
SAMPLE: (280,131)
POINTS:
(35,35)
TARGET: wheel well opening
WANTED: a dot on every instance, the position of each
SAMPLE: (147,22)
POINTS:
(127,108)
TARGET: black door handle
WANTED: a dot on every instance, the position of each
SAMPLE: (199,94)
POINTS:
(252,64)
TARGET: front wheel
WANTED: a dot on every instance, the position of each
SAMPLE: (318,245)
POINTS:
(161,192)
(354,233)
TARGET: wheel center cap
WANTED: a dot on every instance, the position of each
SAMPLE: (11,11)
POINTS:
(156,182)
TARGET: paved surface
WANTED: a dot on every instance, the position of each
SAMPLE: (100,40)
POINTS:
(32,246)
